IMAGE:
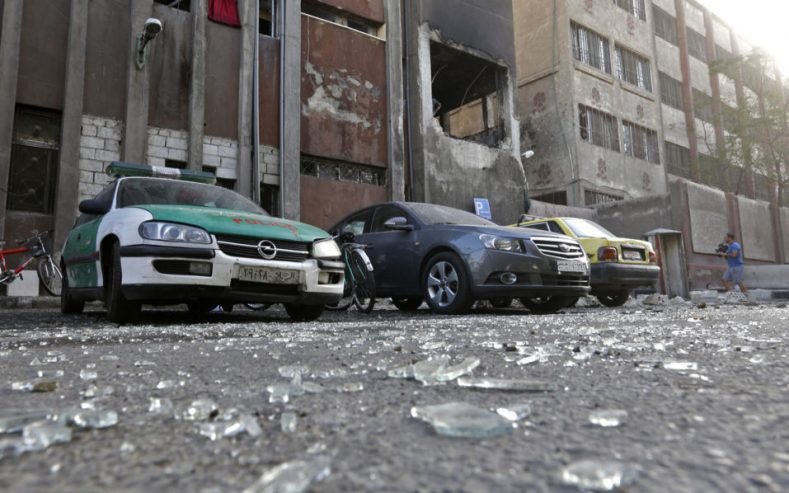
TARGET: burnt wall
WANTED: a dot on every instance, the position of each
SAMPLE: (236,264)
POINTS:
(343,94)
(324,202)
(223,45)
(42,54)
(369,9)
(269,81)
(106,58)
(485,25)
(169,65)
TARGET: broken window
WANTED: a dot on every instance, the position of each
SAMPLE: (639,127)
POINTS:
(467,91)
(176,4)
(266,23)
(342,171)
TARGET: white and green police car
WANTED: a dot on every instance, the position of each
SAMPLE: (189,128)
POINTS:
(163,236)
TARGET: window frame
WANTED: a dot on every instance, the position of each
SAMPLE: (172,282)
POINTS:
(599,57)
(589,118)
(633,68)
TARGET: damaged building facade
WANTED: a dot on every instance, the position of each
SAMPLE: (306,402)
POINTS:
(639,110)
(312,108)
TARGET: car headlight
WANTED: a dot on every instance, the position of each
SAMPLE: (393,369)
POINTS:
(174,232)
(498,243)
(325,249)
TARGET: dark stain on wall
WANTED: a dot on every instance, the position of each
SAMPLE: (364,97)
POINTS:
(320,204)
(223,45)
(42,55)
(169,65)
(269,90)
(107,55)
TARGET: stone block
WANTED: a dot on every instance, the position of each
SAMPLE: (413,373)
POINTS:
(227,152)
(87,153)
(89,130)
(177,143)
(92,142)
(156,161)
(25,286)
(107,156)
(157,151)
(229,163)
(86,176)
(108,133)
(271,179)
(226,173)
(210,150)
(112,145)
(177,154)
(157,140)
(209,160)
(91,165)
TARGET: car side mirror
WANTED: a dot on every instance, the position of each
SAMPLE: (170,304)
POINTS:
(93,207)
(398,223)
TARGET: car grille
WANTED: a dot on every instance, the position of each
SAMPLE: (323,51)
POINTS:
(558,248)
(565,280)
(247,247)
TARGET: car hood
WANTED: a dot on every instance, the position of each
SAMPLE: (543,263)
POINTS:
(239,223)
(513,232)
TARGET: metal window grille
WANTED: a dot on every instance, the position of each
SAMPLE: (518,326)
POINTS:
(677,159)
(633,69)
(591,49)
(697,45)
(665,25)
(634,7)
(592,197)
(702,103)
(598,128)
(671,91)
(640,142)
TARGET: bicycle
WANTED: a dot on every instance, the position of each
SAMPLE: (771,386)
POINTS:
(359,287)
(48,271)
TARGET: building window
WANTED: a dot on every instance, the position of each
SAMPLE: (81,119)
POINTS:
(176,4)
(174,163)
(677,159)
(267,16)
(341,171)
(592,197)
(640,142)
(341,17)
(633,69)
(559,198)
(269,199)
(671,91)
(697,45)
(35,146)
(722,54)
(590,48)
(702,104)
(466,91)
(634,7)
(665,25)
(598,128)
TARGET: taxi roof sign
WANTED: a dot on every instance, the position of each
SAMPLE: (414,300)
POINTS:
(120,168)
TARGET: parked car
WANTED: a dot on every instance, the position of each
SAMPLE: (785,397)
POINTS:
(449,258)
(151,240)
(618,265)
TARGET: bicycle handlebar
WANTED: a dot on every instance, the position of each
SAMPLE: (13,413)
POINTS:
(36,236)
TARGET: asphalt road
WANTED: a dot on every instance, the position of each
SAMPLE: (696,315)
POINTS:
(704,391)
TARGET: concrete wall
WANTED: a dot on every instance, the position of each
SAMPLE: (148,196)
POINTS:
(757,234)
(99,146)
(633,218)
(106,58)
(320,204)
(545,209)
(42,57)
(170,70)
(708,217)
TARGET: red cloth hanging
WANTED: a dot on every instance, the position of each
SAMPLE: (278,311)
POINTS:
(224,11)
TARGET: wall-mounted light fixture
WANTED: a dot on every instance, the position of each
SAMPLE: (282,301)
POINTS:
(150,29)
(527,154)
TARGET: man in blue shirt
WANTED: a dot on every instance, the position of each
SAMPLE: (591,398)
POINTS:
(733,255)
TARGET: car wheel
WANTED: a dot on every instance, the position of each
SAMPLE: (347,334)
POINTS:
(614,298)
(303,313)
(68,304)
(501,302)
(200,307)
(445,284)
(407,304)
(545,304)
(119,309)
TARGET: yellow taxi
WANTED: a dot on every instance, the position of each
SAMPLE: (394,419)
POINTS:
(618,265)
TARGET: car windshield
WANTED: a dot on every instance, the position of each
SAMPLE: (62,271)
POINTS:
(583,228)
(139,191)
(439,214)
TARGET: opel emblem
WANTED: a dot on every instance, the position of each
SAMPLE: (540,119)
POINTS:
(564,248)
(267,249)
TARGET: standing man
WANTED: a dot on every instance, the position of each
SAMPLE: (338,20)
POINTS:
(733,255)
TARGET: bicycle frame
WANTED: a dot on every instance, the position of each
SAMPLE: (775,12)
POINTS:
(48,272)
(7,276)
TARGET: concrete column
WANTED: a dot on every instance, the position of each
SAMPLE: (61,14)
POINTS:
(197,86)
(394,100)
(68,170)
(10,40)
(746,185)
(135,128)
(247,12)
(290,110)
(687,92)
(419,101)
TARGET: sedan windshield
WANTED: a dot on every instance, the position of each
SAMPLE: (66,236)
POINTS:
(583,228)
(439,214)
(139,191)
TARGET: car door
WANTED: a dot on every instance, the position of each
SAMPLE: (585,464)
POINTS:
(394,253)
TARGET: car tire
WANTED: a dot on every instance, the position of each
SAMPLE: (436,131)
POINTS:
(545,304)
(303,313)
(445,285)
(501,302)
(68,305)
(119,309)
(614,298)
(408,304)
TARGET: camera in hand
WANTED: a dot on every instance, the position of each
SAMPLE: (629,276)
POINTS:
(722,248)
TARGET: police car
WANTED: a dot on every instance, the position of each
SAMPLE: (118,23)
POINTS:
(163,236)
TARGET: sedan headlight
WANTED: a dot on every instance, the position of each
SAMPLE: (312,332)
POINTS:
(174,232)
(325,249)
(499,243)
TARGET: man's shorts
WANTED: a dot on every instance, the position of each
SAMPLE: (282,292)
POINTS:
(734,274)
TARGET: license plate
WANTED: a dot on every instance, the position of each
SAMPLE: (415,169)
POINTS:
(268,275)
(571,266)
(631,255)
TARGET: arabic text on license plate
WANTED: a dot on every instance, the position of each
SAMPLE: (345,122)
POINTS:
(267,275)
(631,254)
(571,266)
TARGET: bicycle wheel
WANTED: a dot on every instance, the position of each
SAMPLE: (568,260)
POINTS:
(50,275)
(364,282)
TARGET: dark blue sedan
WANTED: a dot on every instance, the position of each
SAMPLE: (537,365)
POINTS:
(450,258)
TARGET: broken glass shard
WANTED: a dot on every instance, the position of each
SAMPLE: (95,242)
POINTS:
(14,421)
(351,387)
(406,371)
(51,374)
(608,418)
(680,365)
(292,477)
(282,392)
(88,374)
(598,475)
(38,436)
(250,425)
(424,370)
(437,369)
(200,409)
(213,431)
(10,447)
(99,391)
(292,370)
(312,387)
(288,422)
(165,384)
(160,405)
(515,412)
(459,419)
(95,418)
(511,384)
